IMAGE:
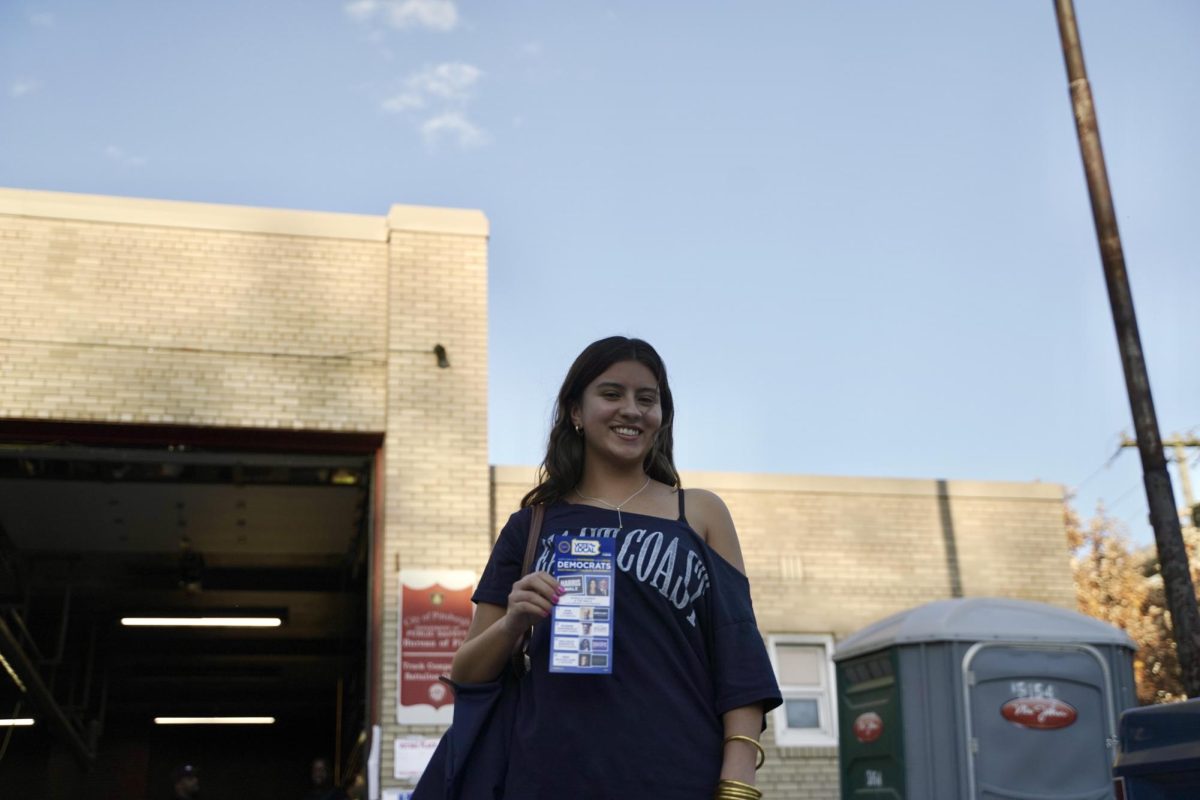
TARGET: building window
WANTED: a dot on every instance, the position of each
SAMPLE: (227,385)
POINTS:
(804,667)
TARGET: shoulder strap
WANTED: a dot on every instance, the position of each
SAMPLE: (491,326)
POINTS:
(535,530)
(520,659)
(682,516)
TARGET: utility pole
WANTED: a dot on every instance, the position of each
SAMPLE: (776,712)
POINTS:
(1186,479)
(1164,517)
(1181,464)
(1179,444)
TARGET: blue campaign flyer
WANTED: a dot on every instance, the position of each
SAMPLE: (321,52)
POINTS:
(582,623)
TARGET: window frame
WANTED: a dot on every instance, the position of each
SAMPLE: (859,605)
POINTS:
(826,736)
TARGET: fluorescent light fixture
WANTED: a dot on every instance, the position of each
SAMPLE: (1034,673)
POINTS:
(20,722)
(214,720)
(202,622)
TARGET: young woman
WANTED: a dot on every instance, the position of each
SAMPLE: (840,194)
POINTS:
(674,708)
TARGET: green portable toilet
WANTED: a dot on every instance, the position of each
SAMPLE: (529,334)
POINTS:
(981,699)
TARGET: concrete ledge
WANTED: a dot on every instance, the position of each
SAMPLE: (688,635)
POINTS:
(425,219)
(824,484)
(238,219)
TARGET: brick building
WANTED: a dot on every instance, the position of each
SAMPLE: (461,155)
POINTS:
(331,369)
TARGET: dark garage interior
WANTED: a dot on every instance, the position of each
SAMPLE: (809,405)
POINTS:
(100,524)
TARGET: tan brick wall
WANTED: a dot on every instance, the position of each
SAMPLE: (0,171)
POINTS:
(142,311)
(436,453)
(129,319)
(830,555)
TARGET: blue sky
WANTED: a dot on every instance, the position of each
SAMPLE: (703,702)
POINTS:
(857,231)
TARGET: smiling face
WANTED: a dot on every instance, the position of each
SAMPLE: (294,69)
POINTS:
(620,413)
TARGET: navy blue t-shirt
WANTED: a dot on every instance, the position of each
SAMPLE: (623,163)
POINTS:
(686,649)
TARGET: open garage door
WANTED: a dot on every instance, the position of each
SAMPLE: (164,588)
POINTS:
(103,544)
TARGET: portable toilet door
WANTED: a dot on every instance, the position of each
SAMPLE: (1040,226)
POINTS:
(1040,721)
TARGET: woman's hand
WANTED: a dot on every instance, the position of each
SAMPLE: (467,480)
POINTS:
(532,598)
(495,629)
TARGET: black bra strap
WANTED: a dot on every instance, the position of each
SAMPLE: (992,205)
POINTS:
(682,516)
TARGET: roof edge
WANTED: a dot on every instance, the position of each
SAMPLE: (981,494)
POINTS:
(239,219)
(427,219)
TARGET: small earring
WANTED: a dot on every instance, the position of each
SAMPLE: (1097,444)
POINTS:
(579,430)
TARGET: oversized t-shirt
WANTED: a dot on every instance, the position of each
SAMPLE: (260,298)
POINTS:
(686,649)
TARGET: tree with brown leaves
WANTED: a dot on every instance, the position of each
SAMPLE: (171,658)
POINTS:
(1120,584)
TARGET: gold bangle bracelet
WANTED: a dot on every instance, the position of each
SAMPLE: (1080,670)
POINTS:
(737,784)
(735,790)
(762,754)
(729,788)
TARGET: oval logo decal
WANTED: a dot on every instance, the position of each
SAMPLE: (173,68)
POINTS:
(868,727)
(1039,713)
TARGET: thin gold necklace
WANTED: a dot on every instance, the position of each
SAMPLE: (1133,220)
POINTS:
(616,506)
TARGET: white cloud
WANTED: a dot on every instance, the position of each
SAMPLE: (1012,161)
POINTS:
(23,86)
(437,15)
(114,153)
(451,81)
(442,92)
(455,126)
(449,84)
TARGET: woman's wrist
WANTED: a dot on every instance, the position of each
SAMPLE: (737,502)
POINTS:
(514,627)
(738,763)
(737,771)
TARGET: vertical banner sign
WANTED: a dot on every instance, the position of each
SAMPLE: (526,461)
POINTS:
(435,613)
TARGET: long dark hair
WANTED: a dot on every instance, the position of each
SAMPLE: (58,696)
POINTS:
(562,469)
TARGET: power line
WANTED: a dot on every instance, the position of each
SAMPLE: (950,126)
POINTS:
(1103,466)
(1123,495)
(1143,515)
(1179,444)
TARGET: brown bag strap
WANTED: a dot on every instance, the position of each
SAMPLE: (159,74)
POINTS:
(520,660)
(535,530)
